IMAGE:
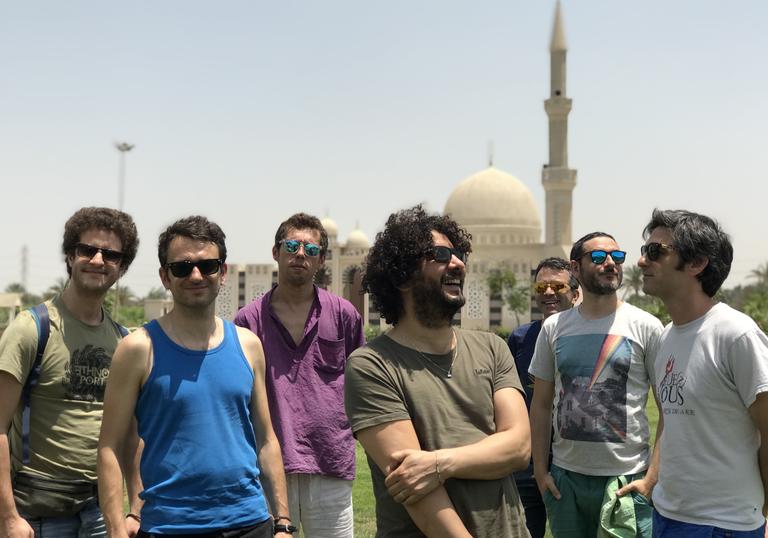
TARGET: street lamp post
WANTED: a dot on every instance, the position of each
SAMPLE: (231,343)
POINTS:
(123,148)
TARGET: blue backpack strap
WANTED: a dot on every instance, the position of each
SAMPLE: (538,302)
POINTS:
(43,325)
(122,330)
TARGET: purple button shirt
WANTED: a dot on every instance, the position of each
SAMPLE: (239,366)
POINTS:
(305,383)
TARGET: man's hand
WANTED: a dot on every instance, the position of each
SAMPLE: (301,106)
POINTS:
(131,526)
(548,484)
(412,475)
(644,486)
(17,527)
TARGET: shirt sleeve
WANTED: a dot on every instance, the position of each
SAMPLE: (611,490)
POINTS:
(371,394)
(506,375)
(18,347)
(748,358)
(543,361)
(354,335)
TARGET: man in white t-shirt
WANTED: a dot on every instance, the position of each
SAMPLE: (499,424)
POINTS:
(711,377)
(591,370)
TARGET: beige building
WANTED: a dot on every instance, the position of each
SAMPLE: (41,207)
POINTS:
(495,207)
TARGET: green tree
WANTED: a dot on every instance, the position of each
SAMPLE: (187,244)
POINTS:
(633,281)
(760,275)
(756,307)
(56,288)
(652,305)
(503,282)
(157,293)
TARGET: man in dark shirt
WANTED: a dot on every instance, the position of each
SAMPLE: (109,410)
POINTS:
(555,290)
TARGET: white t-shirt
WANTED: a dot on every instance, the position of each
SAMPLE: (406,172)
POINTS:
(601,369)
(707,374)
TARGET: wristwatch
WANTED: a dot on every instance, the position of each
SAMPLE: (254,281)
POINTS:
(290,529)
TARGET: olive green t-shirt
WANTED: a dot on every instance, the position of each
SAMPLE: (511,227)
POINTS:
(66,405)
(386,382)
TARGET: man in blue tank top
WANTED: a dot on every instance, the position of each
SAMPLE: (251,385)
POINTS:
(195,384)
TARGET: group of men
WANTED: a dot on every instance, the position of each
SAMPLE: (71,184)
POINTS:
(247,429)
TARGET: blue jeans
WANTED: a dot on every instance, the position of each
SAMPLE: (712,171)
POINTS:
(88,523)
(663,527)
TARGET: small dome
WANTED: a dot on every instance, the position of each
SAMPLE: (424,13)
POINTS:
(494,198)
(330,227)
(357,239)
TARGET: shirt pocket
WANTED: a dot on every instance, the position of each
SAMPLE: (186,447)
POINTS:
(332,355)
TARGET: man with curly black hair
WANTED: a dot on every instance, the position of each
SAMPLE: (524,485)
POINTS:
(48,476)
(439,410)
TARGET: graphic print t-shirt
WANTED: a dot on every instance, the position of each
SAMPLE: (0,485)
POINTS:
(66,406)
(601,370)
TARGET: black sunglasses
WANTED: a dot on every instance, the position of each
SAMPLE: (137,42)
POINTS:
(184,268)
(599,256)
(653,251)
(89,251)
(443,254)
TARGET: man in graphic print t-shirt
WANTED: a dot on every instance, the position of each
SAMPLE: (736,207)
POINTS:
(54,488)
(591,380)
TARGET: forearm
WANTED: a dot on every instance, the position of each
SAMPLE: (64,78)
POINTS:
(131,470)
(762,459)
(652,474)
(496,456)
(111,490)
(7,503)
(541,439)
(436,517)
(273,477)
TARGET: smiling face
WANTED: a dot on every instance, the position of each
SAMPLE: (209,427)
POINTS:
(195,290)
(551,301)
(598,279)
(438,288)
(297,268)
(95,275)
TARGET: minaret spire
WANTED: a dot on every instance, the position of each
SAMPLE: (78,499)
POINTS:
(558,179)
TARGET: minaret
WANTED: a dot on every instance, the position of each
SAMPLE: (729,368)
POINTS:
(558,179)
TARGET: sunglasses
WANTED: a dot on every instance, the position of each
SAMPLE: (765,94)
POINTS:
(443,254)
(599,256)
(557,287)
(653,251)
(184,268)
(291,246)
(89,251)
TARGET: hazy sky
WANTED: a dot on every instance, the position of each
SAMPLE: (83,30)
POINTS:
(248,111)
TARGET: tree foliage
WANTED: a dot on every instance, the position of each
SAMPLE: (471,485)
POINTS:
(517,297)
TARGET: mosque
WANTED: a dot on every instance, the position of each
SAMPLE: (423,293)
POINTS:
(494,206)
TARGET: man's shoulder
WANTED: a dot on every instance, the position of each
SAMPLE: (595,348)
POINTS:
(728,323)
(522,331)
(336,302)
(253,309)
(635,314)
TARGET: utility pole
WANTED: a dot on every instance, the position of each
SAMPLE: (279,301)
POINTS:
(123,148)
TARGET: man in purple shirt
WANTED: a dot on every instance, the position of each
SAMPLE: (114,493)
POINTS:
(307,334)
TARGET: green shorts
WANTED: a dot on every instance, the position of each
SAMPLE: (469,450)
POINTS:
(577,513)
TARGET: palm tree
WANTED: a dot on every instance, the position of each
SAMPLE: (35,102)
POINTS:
(633,281)
(761,275)
(56,288)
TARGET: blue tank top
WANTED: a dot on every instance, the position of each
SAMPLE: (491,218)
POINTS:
(199,465)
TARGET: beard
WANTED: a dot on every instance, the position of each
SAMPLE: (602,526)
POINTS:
(594,285)
(432,307)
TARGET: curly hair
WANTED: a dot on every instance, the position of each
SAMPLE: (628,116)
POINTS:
(302,221)
(696,237)
(397,251)
(101,218)
(195,227)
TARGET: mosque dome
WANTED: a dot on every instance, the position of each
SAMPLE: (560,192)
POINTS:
(357,239)
(492,198)
(330,226)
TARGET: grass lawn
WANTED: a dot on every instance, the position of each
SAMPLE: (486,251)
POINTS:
(362,491)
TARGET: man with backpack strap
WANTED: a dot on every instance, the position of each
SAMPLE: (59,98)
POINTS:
(54,362)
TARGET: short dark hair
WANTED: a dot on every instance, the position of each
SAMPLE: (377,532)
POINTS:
(101,218)
(395,255)
(576,249)
(302,221)
(696,237)
(195,227)
(557,264)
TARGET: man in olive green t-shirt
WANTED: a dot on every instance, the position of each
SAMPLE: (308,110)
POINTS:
(48,488)
(439,411)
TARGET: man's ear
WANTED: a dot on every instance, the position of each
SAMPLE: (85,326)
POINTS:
(164,278)
(275,253)
(223,275)
(696,266)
